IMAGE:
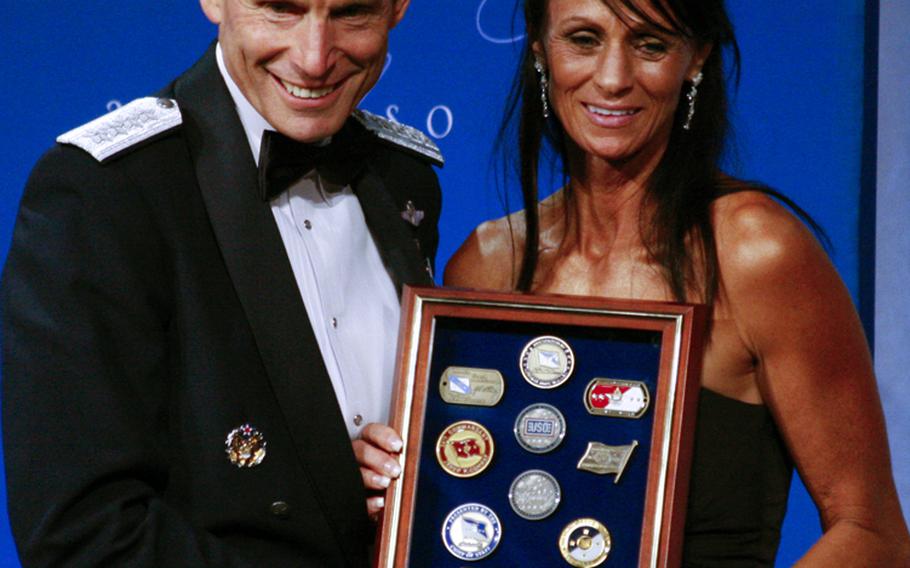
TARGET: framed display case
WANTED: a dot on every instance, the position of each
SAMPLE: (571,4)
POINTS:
(541,430)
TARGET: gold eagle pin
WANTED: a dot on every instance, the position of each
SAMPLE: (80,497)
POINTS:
(245,446)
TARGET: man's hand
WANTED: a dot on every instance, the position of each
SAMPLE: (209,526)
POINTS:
(376,452)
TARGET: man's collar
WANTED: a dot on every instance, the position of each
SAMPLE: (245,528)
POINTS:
(253,122)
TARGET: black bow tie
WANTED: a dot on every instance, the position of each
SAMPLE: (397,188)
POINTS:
(282,161)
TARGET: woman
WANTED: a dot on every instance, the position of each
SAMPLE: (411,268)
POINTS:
(631,96)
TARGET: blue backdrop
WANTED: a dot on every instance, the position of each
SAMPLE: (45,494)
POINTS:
(892,235)
(798,114)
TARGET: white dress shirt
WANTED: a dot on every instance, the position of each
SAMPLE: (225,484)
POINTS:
(347,291)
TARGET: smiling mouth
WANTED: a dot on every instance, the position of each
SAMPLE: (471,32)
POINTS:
(608,112)
(304,93)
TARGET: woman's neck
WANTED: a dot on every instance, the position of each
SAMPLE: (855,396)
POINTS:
(605,207)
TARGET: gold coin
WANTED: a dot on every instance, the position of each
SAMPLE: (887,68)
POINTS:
(585,543)
(464,449)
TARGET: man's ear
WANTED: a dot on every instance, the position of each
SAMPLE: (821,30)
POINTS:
(399,7)
(212,9)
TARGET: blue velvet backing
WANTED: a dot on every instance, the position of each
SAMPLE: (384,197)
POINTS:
(599,352)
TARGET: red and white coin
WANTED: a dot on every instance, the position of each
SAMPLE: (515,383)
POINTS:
(618,398)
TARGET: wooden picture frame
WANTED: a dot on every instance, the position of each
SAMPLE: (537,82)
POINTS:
(653,342)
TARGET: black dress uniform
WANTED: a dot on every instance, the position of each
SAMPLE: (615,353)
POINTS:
(149,310)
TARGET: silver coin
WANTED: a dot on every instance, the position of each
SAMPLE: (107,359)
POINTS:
(546,362)
(540,428)
(534,494)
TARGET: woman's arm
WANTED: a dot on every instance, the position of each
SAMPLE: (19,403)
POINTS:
(814,372)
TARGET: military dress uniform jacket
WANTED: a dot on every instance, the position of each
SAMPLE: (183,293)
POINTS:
(150,309)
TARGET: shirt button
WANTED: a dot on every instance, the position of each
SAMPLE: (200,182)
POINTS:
(335,322)
(280,509)
(358,420)
(307,224)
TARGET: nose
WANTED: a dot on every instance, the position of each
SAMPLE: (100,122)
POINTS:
(615,69)
(313,50)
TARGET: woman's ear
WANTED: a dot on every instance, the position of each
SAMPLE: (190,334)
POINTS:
(702,51)
(537,50)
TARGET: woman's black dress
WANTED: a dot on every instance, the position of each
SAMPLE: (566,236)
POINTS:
(739,486)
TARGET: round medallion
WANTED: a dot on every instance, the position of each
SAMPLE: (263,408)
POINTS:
(464,449)
(534,494)
(540,428)
(585,543)
(471,531)
(547,362)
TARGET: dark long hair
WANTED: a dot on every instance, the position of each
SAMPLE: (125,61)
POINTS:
(678,233)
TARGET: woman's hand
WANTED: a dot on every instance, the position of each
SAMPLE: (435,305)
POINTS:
(377,453)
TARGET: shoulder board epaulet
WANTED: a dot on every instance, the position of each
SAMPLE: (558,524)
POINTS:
(124,127)
(400,135)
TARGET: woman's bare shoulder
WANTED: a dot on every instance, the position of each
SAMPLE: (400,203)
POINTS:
(775,275)
(490,256)
(757,236)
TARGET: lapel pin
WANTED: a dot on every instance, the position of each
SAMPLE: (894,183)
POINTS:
(411,214)
(245,446)
(603,459)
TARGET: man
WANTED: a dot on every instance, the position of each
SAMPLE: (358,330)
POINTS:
(191,343)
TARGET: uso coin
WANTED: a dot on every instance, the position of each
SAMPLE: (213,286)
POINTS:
(540,428)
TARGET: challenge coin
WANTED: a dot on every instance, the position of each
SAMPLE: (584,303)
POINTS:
(534,494)
(585,543)
(471,531)
(245,446)
(475,387)
(540,428)
(617,398)
(464,449)
(546,362)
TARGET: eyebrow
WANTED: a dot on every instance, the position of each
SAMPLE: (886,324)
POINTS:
(358,3)
(578,20)
(636,26)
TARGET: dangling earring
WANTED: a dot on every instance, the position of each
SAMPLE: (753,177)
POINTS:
(690,96)
(542,73)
